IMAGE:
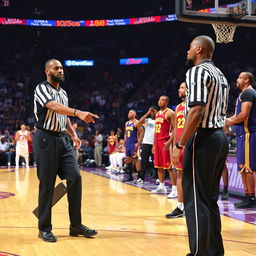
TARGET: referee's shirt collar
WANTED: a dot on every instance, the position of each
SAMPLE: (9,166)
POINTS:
(206,61)
(57,89)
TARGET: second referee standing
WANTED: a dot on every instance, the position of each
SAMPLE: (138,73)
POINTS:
(54,153)
(206,148)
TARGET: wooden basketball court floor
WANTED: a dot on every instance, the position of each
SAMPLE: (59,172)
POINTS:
(130,221)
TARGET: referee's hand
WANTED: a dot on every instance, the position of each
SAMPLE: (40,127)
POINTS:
(87,117)
(176,153)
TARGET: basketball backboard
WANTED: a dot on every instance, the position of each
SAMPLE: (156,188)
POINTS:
(232,12)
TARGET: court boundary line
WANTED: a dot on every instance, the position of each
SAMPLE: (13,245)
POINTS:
(132,232)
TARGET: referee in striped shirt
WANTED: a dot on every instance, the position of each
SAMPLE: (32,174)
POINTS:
(54,153)
(206,148)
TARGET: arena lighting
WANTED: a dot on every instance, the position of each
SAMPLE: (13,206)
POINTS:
(78,63)
(87,23)
(134,61)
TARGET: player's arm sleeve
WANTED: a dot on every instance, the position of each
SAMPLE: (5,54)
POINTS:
(197,79)
(247,96)
(42,95)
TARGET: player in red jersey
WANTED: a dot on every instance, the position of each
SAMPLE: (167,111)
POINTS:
(162,157)
(112,146)
(112,142)
(178,128)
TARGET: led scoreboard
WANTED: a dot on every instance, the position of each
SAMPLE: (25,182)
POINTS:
(69,23)
(88,23)
(95,23)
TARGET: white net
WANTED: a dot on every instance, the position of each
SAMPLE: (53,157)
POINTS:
(224,33)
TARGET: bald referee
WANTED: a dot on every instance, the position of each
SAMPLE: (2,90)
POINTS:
(54,153)
(206,148)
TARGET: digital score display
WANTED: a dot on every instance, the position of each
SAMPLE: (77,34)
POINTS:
(88,23)
(69,23)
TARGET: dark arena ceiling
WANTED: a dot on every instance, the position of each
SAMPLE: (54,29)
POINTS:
(84,9)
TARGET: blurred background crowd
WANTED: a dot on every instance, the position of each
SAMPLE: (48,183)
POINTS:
(107,88)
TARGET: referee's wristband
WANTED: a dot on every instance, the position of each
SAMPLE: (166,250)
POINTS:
(178,145)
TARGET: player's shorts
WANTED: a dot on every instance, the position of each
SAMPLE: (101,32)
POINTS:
(111,150)
(130,150)
(179,167)
(162,158)
(22,150)
(246,152)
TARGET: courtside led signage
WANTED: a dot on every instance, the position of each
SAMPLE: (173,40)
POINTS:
(134,61)
(78,63)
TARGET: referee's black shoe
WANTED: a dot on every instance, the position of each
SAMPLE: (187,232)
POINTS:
(248,203)
(176,213)
(82,231)
(47,236)
(245,200)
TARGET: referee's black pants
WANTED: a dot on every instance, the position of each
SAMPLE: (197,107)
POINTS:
(146,152)
(204,159)
(55,156)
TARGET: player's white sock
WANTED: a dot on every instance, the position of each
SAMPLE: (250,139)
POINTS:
(161,185)
(174,188)
(17,158)
(180,205)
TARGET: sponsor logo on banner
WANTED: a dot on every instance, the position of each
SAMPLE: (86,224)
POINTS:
(10,21)
(77,63)
(144,20)
(134,61)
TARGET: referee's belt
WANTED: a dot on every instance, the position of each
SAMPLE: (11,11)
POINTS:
(58,134)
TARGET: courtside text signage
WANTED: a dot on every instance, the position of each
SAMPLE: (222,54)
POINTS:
(78,63)
(134,61)
(87,23)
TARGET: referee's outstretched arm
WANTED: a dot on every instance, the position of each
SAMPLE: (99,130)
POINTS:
(59,108)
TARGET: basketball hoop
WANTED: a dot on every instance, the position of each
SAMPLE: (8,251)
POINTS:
(224,33)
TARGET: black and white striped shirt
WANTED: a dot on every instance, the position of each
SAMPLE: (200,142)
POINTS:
(47,119)
(207,86)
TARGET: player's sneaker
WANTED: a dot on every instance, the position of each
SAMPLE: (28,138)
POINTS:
(243,201)
(176,213)
(157,181)
(159,190)
(172,194)
(224,196)
(249,203)
(138,181)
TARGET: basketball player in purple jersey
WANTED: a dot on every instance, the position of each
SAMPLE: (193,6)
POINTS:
(132,140)
(244,122)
